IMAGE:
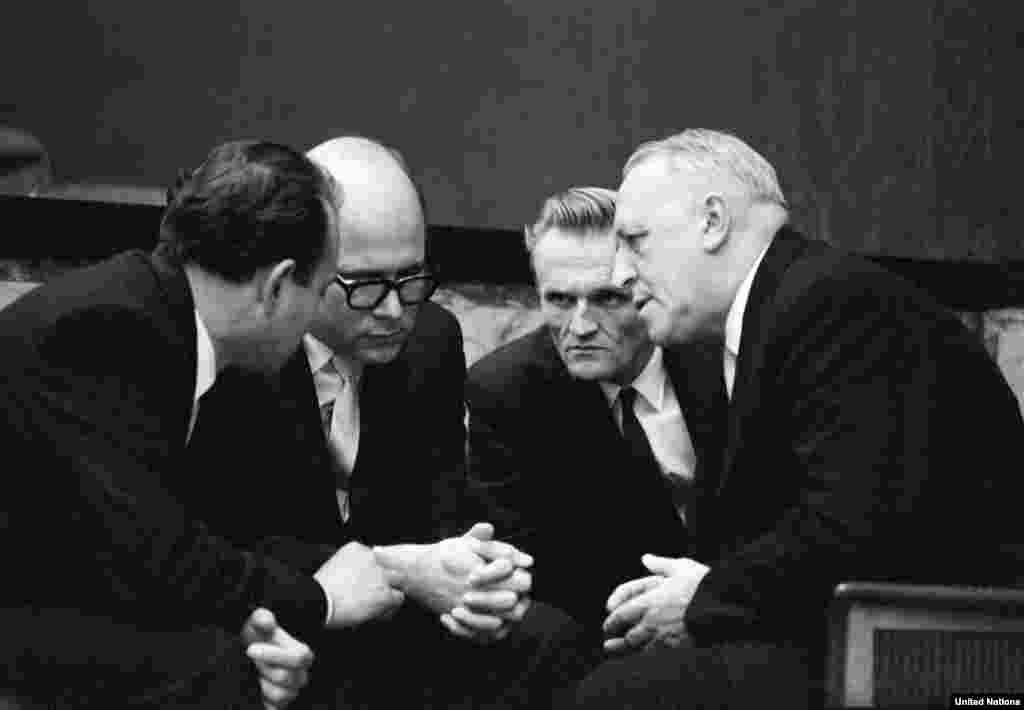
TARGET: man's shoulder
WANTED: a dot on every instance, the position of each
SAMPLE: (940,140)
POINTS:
(115,281)
(112,301)
(437,322)
(436,336)
(833,277)
(512,364)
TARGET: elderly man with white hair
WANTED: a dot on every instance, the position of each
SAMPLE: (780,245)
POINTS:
(868,433)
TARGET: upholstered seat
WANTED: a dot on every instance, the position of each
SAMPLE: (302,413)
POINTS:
(914,646)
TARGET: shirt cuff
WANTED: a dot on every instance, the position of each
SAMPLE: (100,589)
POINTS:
(330,603)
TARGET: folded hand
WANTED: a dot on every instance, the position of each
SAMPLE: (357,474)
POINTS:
(360,588)
(283,661)
(650,610)
(497,596)
(438,575)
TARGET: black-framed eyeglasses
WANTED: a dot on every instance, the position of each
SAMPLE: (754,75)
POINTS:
(367,294)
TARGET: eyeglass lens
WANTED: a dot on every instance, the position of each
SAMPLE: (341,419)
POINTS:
(413,290)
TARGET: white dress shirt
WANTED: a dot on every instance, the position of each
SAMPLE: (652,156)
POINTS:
(734,324)
(657,409)
(337,380)
(206,370)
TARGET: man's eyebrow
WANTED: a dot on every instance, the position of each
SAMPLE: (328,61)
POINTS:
(379,274)
(628,232)
(611,290)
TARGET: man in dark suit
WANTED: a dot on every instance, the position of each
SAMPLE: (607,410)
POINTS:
(554,456)
(115,594)
(367,422)
(868,435)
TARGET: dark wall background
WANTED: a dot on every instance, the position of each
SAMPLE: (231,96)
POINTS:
(885,119)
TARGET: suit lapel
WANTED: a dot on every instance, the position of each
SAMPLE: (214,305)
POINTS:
(380,406)
(180,329)
(296,395)
(746,393)
(584,406)
(697,378)
(646,508)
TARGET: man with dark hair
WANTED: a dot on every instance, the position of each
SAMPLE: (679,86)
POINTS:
(115,594)
(586,414)
(247,205)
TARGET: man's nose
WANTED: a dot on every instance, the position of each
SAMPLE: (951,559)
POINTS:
(581,323)
(624,270)
(391,307)
(624,273)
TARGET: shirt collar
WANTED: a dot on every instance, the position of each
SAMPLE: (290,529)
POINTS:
(734,320)
(318,354)
(650,382)
(206,359)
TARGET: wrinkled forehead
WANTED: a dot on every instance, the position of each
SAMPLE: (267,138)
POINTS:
(383,247)
(650,187)
(574,264)
(380,218)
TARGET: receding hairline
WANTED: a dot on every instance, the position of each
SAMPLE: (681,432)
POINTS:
(577,211)
(719,157)
(372,177)
(352,148)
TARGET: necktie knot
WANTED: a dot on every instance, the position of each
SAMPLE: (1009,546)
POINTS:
(326,414)
(628,397)
(330,368)
(631,428)
(679,490)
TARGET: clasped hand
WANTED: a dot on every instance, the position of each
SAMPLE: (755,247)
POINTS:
(282,661)
(649,610)
(360,589)
(476,584)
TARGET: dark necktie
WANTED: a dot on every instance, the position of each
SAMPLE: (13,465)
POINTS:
(679,489)
(326,413)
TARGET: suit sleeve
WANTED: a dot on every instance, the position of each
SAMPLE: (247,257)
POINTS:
(497,492)
(246,437)
(849,377)
(301,555)
(92,423)
(449,450)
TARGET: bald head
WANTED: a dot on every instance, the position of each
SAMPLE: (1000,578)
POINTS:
(383,236)
(379,196)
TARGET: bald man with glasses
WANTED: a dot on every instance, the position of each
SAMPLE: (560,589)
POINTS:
(361,437)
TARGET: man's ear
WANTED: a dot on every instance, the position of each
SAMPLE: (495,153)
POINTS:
(273,285)
(717,223)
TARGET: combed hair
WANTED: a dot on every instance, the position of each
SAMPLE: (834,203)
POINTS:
(703,149)
(578,209)
(250,204)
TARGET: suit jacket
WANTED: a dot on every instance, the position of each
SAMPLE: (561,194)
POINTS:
(549,467)
(870,437)
(99,371)
(275,487)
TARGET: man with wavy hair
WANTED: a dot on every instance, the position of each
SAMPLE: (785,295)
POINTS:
(867,436)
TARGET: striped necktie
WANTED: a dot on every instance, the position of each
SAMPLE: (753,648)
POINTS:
(330,423)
